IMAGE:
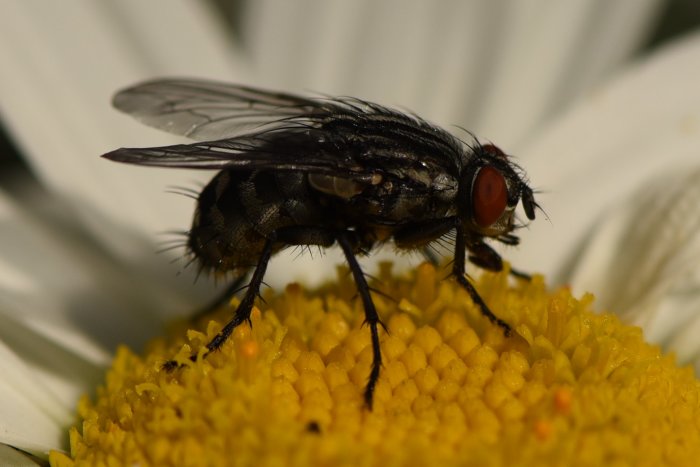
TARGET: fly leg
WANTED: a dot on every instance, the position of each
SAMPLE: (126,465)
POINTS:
(244,308)
(326,237)
(481,255)
(286,236)
(371,317)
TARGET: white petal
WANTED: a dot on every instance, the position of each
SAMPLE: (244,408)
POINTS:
(620,174)
(64,306)
(643,259)
(50,349)
(56,280)
(649,243)
(61,65)
(607,146)
(30,417)
(549,53)
(497,68)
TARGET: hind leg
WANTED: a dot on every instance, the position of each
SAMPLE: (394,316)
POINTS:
(285,236)
(371,317)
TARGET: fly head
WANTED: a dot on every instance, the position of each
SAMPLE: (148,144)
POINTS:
(490,189)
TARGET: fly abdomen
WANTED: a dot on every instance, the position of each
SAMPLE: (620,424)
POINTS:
(238,211)
(220,231)
(273,200)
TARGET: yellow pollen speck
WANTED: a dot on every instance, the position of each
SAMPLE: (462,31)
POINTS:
(569,387)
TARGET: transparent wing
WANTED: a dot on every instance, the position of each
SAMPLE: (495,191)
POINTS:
(270,150)
(209,110)
(244,128)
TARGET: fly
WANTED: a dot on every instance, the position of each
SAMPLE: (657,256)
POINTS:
(296,170)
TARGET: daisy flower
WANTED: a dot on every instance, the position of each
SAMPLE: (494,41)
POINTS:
(79,275)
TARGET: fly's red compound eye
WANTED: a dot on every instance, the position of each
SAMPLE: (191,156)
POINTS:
(489,196)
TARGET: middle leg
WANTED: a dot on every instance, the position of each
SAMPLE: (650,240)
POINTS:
(371,317)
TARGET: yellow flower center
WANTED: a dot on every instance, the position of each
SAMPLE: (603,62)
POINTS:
(570,387)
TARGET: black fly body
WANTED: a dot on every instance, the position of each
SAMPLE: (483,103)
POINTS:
(318,171)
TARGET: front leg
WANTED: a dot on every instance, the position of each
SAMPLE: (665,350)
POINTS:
(459,272)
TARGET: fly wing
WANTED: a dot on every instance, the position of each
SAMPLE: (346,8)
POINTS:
(246,128)
(210,110)
(293,148)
